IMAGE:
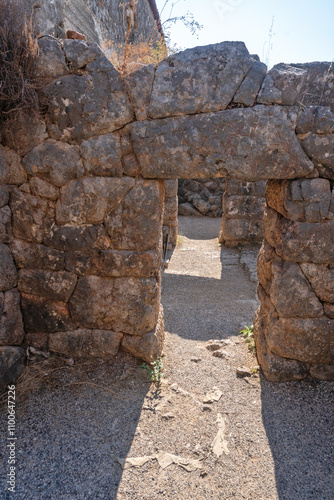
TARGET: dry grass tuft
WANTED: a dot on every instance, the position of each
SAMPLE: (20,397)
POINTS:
(18,60)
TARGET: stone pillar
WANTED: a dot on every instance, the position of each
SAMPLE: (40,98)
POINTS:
(243,206)
(170,212)
(294,326)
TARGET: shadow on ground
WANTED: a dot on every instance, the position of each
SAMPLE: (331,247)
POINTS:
(70,434)
(298,420)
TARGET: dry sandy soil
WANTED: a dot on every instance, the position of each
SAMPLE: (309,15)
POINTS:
(258,441)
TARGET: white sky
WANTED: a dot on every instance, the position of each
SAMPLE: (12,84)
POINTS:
(303,30)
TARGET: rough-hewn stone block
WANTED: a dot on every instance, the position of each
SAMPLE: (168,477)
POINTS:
(42,315)
(102,156)
(56,161)
(53,285)
(11,169)
(86,343)
(11,365)
(32,216)
(250,144)
(149,346)
(89,200)
(137,222)
(8,273)
(72,239)
(11,324)
(320,148)
(128,305)
(199,80)
(113,263)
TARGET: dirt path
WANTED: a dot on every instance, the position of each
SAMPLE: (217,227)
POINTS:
(258,441)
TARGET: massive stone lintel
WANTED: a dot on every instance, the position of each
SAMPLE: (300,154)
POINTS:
(249,144)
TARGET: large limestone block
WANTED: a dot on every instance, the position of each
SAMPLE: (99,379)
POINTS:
(42,188)
(11,365)
(139,86)
(149,346)
(24,133)
(128,305)
(300,200)
(275,368)
(199,80)
(4,196)
(8,273)
(320,148)
(282,85)
(321,278)
(291,293)
(86,343)
(299,241)
(89,200)
(51,62)
(250,86)
(309,340)
(87,105)
(32,216)
(72,239)
(137,222)
(54,161)
(249,144)
(113,263)
(318,88)
(11,169)
(45,316)
(53,285)
(102,156)
(33,256)
(79,53)
(11,324)
(315,119)
(242,207)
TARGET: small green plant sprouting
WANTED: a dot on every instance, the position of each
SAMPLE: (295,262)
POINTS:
(248,333)
(154,370)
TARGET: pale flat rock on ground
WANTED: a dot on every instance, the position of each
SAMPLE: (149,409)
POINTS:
(260,440)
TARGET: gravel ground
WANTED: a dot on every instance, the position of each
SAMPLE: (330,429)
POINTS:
(275,440)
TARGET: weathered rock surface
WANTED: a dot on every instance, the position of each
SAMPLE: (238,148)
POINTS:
(136,224)
(320,148)
(53,285)
(250,86)
(86,343)
(318,84)
(34,256)
(42,188)
(11,365)
(149,346)
(57,162)
(32,216)
(127,305)
(282,85)
(300,200)
(275,367)
(291,293)
(113,263)
(199,80)
(11,324)
(139,86)
(102,156)
(24,133)
(322,372)
(79,53)
(72,239)
(321,278)
(5,224)
(8,273)
(89,200)
(235,231)
(51,61)
(315,119)
(4,196)
(11,169)
(87,105)
(45,316)
(299,241)
(240,207)
(250,144)
(204,195)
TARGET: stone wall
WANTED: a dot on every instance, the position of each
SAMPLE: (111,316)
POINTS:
(201,197)
(170,213)
(83,204)
(243,206)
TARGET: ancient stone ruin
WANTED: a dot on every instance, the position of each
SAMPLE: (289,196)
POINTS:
(82,201)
